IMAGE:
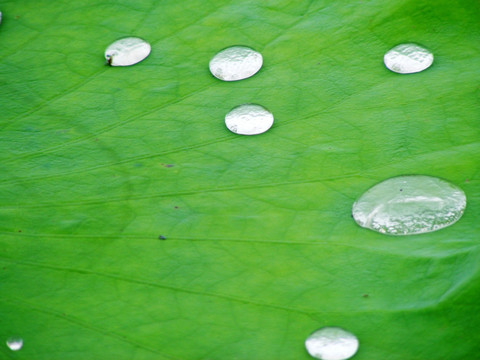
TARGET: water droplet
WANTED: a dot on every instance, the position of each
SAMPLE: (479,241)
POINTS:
(249,119)
(332,343)
(408,59)
(15,343)
(235,63)
(127,51)
(424,204)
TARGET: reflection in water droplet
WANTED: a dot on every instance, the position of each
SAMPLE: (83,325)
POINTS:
(408,59)
(15,343)
(412,204)
(331,343)
(127,51)
(235,63)
(249,119)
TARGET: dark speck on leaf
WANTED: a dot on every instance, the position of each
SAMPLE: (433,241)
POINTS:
(466,180)
(365,295)
(168,165)
(161,237)
(401,189)
(19,230)
(175,207)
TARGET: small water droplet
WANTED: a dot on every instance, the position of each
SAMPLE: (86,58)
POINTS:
(127,51)
(332,343)
(249,119)
(15,343)
(408,59)
(425,204)
(236,63)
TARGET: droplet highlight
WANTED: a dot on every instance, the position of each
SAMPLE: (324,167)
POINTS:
(127,51)
(249,119)
(236,63)
(332,343)
(407,205)
(408,59)
(15,343)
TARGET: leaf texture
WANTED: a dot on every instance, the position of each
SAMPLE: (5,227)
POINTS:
(260,248)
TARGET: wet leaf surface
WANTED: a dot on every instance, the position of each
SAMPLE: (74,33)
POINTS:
(260,248)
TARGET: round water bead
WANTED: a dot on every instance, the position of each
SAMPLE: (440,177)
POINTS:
(15,343)
(411,204)
(249,119)
(332,343)
(408,59)
(235,63)
(127,51)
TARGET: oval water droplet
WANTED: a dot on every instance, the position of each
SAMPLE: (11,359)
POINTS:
(249,119)
(411,204)
(15,343)
(408,59)
(332,343)
(127,51)
(236,63)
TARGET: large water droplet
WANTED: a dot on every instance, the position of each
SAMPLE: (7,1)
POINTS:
(15,343)
(249,119)
(127,51)
(332,343)
(408,59)
(412,204)
(235,63)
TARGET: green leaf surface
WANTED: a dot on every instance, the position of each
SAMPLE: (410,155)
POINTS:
(97,162)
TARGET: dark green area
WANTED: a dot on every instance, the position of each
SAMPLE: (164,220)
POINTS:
(260,246)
